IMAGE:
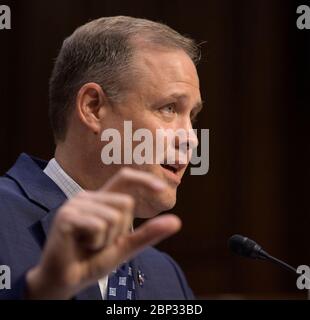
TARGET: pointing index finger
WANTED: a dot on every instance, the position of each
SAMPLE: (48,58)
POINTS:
(127,177)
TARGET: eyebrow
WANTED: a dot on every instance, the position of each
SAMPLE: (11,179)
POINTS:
(198,105)
(197,108)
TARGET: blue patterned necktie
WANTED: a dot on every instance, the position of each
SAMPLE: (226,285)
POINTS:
(121,284)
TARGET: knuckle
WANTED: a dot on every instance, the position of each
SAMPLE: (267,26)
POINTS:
(100,227)
(116,218)
(125,172)
(129,201)
(83,195)
(103,225)
(64,220)
(64,214)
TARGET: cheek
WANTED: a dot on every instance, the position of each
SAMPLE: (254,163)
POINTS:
(148,130)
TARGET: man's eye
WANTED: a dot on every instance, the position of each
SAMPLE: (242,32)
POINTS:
(170,108)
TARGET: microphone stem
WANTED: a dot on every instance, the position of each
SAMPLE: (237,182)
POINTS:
(278,262)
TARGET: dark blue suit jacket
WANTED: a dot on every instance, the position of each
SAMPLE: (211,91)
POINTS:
(28,202)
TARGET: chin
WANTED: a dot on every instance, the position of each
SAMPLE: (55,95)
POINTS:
(150,209)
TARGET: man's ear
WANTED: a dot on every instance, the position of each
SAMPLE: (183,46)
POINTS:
(91,104)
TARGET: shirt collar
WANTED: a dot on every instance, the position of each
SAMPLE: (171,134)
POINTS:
(69,187)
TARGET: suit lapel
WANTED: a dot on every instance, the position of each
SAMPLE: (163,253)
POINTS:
(28,173)
(40,189)
(141,278)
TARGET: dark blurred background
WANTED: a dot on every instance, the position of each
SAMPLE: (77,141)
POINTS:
(255,81)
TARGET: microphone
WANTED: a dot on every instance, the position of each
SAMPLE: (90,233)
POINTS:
(248,248)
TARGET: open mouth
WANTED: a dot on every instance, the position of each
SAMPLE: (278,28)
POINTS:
(168,167)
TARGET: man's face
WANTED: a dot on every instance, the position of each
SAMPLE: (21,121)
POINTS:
(166,95)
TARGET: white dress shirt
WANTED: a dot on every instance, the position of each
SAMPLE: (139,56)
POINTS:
(70,188)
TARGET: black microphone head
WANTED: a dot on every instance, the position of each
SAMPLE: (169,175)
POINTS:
(245,247)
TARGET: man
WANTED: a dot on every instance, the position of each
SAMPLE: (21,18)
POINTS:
(66,226)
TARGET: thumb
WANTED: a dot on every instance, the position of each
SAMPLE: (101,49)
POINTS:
(148,234)
(151,233)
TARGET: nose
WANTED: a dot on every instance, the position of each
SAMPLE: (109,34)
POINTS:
(188,140)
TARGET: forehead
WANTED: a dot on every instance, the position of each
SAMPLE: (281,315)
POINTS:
(166,70)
